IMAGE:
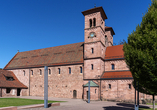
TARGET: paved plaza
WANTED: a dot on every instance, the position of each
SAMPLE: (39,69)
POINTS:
(79,104)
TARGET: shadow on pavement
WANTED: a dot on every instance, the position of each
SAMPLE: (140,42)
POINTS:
(116,108)
(131,105)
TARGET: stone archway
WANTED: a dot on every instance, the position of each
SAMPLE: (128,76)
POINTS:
(74,94)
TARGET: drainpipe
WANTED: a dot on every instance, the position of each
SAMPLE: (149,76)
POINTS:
(1,92)
(29,81)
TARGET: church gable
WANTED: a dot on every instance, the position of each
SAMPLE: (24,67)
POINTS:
(60,55)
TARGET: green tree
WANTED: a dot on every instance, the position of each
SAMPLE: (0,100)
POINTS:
(141,51)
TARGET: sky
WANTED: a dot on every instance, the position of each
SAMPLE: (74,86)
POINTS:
(35,24)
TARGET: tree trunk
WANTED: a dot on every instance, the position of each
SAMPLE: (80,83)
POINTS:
(153,102)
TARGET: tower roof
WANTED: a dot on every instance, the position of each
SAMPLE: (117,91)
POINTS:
(96,9)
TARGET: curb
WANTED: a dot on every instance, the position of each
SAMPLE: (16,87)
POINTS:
(38,105)
(28,106)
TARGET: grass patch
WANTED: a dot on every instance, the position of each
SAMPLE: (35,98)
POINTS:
(5,102)
(146,109)
(151,103)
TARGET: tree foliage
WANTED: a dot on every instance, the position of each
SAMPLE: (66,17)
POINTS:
(141,51)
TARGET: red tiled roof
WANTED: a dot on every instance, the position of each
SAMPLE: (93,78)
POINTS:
(117,74)
(113,52)
(10,84)
(66,54)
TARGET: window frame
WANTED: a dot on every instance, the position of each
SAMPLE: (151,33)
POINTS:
(92,67)
(69,70)
(59,71)
(113,66)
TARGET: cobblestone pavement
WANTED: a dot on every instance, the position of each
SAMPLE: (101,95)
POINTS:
(79,104)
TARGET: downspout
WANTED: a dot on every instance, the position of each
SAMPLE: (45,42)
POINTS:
(100,91)
(29,81)
(1,92)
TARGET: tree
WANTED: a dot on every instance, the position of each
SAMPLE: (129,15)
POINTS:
(141,51)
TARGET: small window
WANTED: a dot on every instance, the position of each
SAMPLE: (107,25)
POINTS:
(59,71)
(8,90)
(92,50)
(32,72)
(106,39)
(49,72)
(80,69)
(95,91)
(69,70)
(129,86)
(92,66)
(94,22)
(40,72)
(24,72)
(113,67)
(109,86)
(90,23)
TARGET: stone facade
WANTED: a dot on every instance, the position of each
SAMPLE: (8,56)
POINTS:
(67,80)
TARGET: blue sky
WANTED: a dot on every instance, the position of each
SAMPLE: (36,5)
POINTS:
(34,24)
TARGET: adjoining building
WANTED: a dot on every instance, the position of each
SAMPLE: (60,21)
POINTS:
(10,85)
(70,67)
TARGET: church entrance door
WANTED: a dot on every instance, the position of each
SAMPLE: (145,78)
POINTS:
(74,94)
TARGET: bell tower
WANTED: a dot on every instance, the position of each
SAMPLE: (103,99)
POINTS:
(95,42)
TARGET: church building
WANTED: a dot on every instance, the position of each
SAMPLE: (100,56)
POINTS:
(71,66)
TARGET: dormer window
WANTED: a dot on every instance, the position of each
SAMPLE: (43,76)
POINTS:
(9,78)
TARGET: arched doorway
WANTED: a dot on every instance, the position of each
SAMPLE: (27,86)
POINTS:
(74,94)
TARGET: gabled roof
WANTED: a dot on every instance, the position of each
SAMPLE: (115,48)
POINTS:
(117,75)
(113,52)
(10,84)
(59,55)
(92,84)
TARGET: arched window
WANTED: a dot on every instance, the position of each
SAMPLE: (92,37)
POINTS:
(90,23)
(129,86)
(49,72)
(112,66)
(109,86)
(94,22)
(69,70)
(106,39)
(95,91)
(80,69)
(40,72)
(92,50)
(32,72)
(24,72)
(59,71)
(92,67)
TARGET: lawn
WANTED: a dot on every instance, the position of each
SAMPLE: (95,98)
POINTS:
(146,109)
(5,102)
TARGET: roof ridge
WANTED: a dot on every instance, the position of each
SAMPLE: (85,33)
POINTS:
(52,47)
